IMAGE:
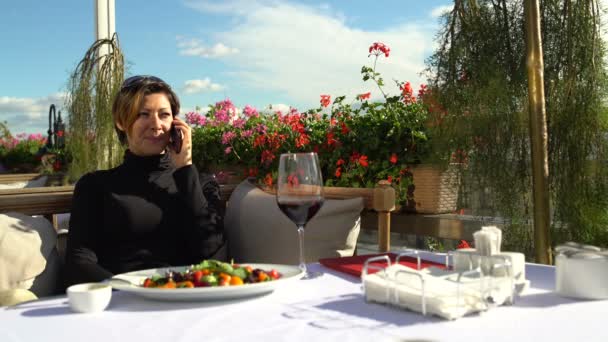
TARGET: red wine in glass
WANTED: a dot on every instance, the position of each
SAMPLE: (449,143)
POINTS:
(300,211)
(300,193)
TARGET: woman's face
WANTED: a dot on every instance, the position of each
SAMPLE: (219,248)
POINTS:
(150,132)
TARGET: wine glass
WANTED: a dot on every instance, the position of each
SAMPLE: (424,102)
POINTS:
(300,192)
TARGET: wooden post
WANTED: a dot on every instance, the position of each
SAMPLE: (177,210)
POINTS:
(538,132)
(383,204)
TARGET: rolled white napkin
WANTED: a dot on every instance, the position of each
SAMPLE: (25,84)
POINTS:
(487,241)
(496,239)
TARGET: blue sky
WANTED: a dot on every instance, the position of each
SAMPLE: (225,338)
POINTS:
(278,52)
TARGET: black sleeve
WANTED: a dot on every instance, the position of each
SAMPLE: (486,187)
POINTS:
(203,213)
(81,260)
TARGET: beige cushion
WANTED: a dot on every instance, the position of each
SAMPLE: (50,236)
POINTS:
(16,296)
(28,256)
(258,231)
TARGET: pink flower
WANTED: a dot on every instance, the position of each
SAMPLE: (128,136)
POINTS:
(193,118)
(222,116)
(261,128)
(239,123)
(228,137)
(247,133)
(250,111)
(228,150)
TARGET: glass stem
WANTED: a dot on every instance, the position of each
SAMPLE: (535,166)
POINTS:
(301,240)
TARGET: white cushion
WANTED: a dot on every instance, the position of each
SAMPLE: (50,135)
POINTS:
(258,231)
(28,256)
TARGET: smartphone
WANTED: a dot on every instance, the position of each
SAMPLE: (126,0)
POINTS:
(176,139)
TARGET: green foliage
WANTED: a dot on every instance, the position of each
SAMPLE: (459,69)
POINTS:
(479,90)
(91,139)
(5,133)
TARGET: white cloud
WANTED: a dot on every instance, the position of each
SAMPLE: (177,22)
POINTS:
(232,6)
(194,47)
(438,11)
(278,107)
(199,86)
(301,51)
(30,115)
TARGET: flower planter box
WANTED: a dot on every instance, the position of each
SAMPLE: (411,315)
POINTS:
(435,189)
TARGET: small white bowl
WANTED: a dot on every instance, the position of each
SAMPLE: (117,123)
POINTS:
(89,297)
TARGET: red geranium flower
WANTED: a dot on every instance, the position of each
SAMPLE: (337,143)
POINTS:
(267,157)
(463,244)
(379,48)
(339,171)
(325,100)
(268,180)
(363,161)
(393,158)
(344,129)
(364,96)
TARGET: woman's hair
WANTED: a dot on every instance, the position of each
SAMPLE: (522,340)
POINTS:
(131,97)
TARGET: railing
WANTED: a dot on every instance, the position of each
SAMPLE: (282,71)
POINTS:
(48,201)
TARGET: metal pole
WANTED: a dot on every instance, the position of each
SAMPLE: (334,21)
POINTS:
(538,132)
(104,23)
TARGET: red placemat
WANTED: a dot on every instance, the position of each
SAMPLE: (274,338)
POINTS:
(354,265)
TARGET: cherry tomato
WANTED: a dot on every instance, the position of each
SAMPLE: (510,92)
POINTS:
(274,274)
(196,276)
(149,283)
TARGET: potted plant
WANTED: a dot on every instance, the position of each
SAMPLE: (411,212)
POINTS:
(359,143)
(19,154)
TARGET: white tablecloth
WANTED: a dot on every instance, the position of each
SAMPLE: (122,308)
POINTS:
(328,308)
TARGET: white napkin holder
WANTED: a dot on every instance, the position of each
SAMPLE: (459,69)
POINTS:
(445,293)
(581,271)
(467,259)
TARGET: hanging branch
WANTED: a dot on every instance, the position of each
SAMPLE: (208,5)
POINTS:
(477,76)
(92,142)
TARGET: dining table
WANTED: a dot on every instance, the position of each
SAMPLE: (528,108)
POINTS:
(330,306)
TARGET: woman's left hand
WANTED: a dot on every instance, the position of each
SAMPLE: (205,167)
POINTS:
(184,157)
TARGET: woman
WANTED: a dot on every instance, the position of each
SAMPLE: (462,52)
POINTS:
(150,211)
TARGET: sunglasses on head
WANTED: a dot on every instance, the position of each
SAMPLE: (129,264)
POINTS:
(139,80)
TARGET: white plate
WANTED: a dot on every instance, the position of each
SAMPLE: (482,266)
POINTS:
(202,293)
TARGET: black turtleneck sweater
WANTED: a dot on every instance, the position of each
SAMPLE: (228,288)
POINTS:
(141,214)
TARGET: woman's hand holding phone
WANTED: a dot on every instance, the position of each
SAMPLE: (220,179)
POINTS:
(180,144)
